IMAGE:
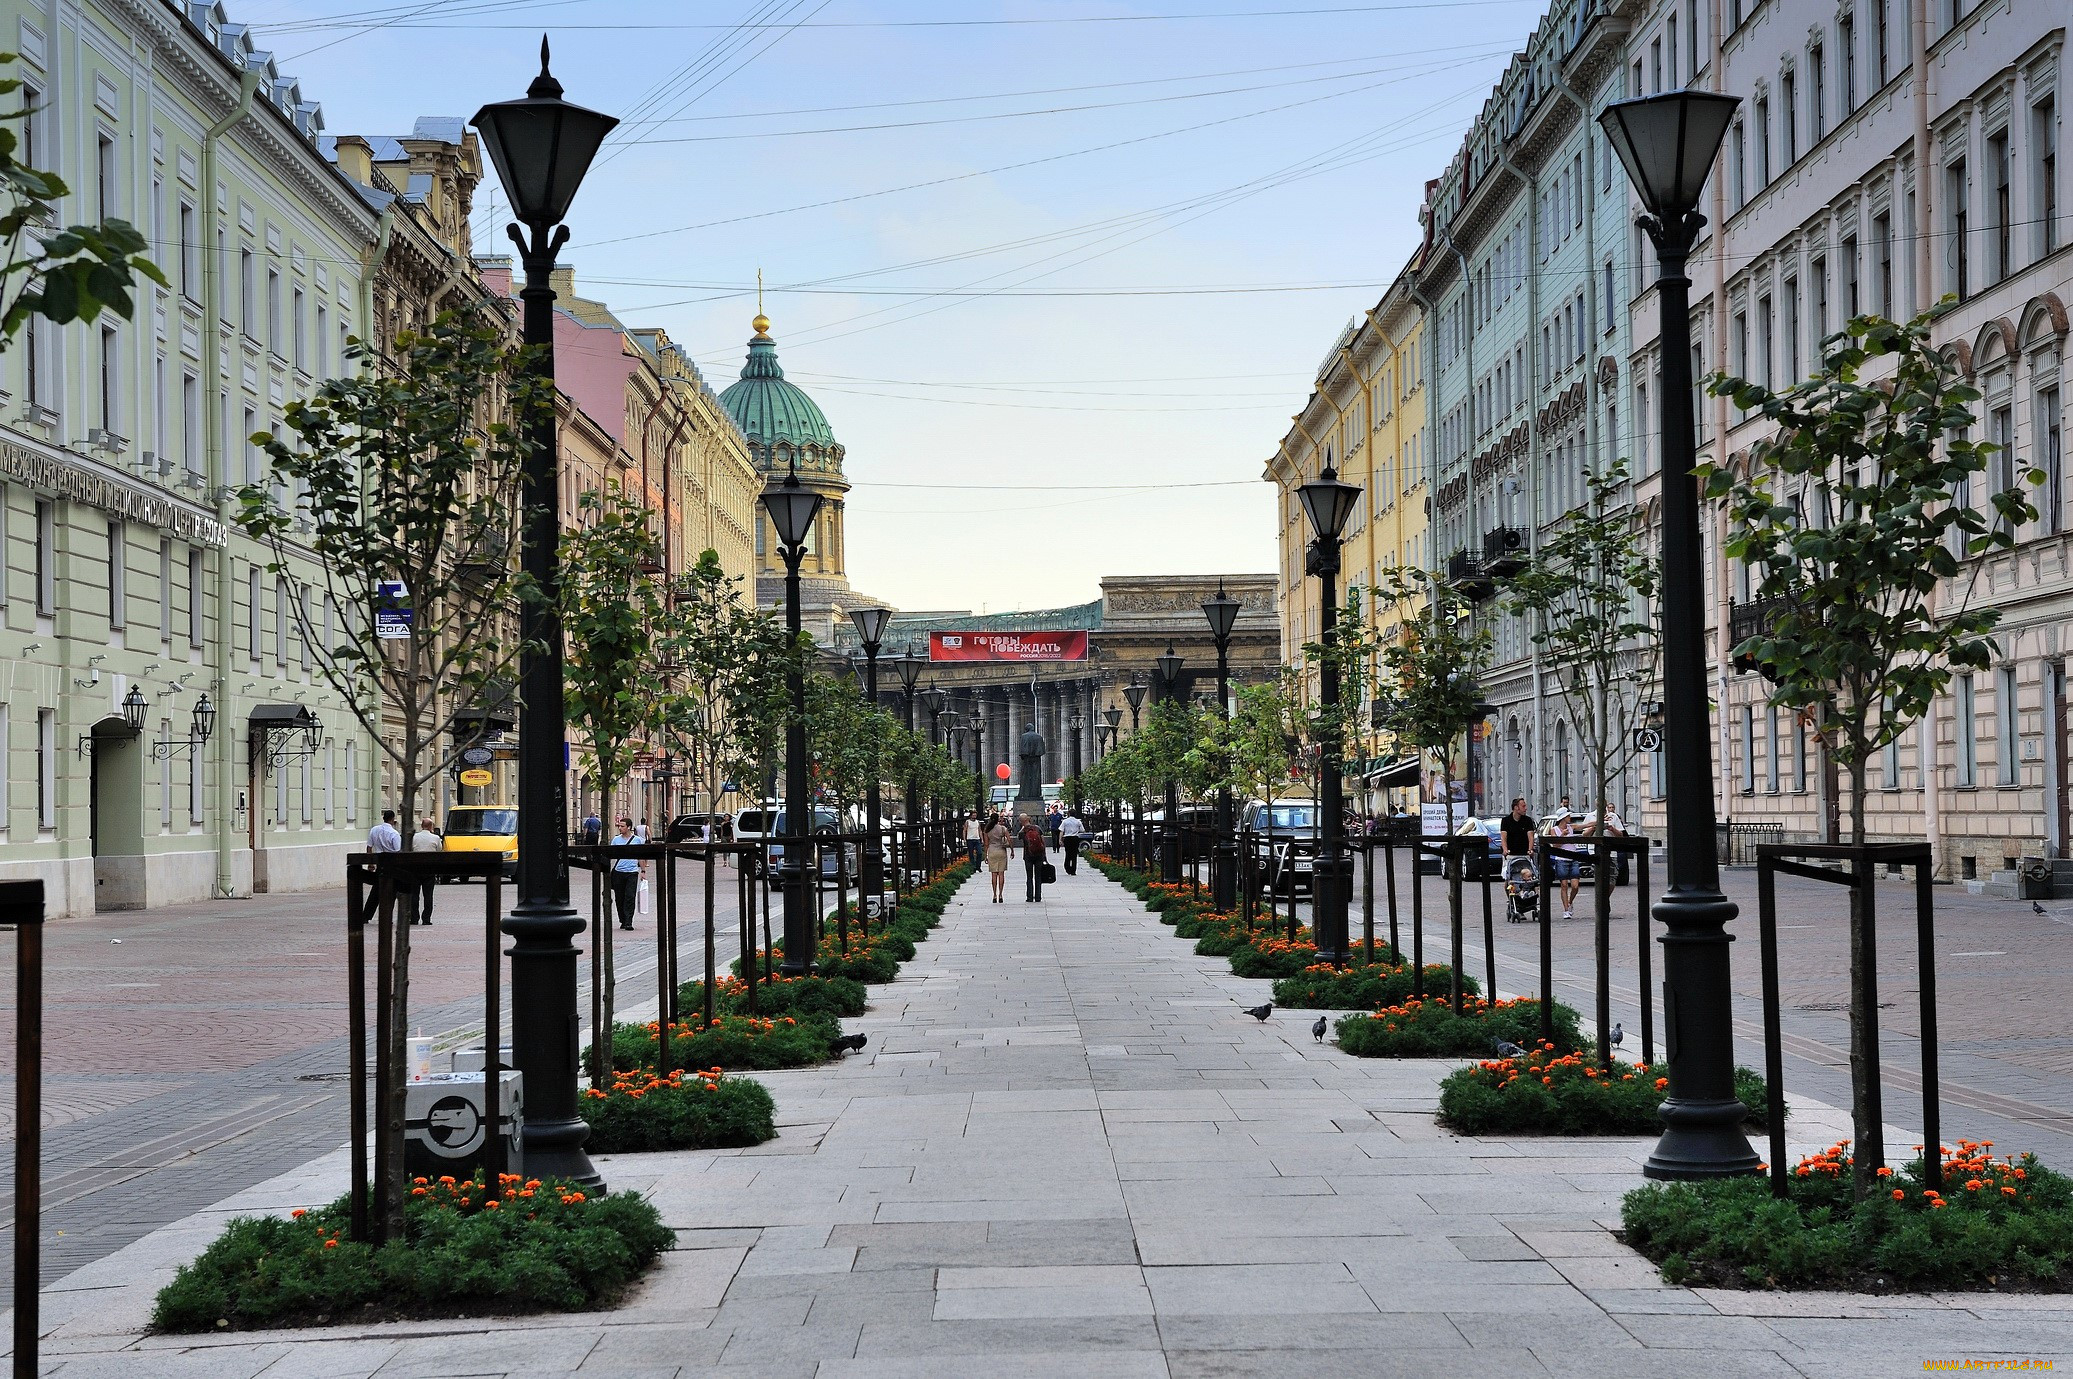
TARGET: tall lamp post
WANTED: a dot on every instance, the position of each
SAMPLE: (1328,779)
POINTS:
(792,508)
(541,146)
(1169,835)
(1133,694)
(908,666)
(932,699)
(1222,612)
(1667,144)
(870,625)
(1328,503)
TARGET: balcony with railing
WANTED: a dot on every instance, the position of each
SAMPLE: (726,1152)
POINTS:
(1505,551)
(1466,573)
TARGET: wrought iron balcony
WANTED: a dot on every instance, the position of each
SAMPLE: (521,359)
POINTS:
(1505,551)
(1466,573)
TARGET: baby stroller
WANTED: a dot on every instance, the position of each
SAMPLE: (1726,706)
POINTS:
(1521,891)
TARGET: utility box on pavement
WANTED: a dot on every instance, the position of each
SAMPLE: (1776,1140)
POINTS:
(2033,879)
(470,1060)
(445,1129)
(878,906)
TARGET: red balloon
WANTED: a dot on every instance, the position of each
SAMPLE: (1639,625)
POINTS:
(1002,771)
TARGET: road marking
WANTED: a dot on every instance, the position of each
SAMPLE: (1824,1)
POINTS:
(1984,953)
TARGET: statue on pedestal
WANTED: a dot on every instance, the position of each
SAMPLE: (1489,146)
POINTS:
(1030,799)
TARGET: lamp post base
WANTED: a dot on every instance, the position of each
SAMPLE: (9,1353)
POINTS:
(1223,875)
(1703,1139)
(799,919)
(543,1048)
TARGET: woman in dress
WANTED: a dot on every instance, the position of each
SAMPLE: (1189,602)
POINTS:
(997,856)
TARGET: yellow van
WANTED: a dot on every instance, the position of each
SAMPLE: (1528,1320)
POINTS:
(485,828)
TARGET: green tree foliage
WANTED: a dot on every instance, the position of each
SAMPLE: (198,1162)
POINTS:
(1856,517)
(609,610)
(73,274)
(721,704)
(1429,681)
(405,473)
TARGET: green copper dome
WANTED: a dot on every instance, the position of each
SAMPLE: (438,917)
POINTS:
(767,408)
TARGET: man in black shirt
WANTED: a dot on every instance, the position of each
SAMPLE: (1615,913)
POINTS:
(1518,828)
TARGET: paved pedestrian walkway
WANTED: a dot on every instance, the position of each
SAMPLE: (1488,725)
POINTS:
(1068,1153)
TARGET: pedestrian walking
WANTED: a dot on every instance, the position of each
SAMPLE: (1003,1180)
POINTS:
(995,837)
(1517,829)
(383,837)
(975,838)
(1053,821)
(640,832)
(1567,872)
(1033,860)
(426,839)
(626,873)
(1071,831)
(593,828)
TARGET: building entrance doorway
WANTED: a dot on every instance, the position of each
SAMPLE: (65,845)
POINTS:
(116,814)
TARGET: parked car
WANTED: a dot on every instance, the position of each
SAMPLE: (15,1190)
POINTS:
(484,828)
(825,822)
(690,828)
(1283,837)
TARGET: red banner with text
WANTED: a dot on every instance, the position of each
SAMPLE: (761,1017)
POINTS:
(1008,646)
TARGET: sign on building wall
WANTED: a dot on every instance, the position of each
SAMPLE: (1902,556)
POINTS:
(1008,646)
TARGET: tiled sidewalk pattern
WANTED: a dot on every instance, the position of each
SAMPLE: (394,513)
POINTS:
(1068,1154)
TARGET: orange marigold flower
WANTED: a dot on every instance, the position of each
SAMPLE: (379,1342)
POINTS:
(1662,1084)
(331,1244)
(1898,1194)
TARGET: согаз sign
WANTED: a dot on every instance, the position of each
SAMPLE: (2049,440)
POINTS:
(1008,646)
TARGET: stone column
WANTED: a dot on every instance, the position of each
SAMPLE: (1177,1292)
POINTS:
(1015,716)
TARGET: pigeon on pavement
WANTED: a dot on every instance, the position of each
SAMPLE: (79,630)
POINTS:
(1317,1030)
(2036,908)
(1507,1049)
(1260,1012)
(847,1044)
(1617,1034)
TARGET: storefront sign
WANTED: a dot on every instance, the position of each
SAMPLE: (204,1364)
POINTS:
(27,466)
(476,777)
(1008,646)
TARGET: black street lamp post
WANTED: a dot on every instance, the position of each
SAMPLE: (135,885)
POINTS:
(932,699)
(909,667)
(1328,503)
(1222,612)
(1668,144)
(1133,694)
(870,625)
(792,508)
(542,146)
(1169,833)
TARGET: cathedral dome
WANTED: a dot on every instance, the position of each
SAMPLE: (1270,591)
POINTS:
(769,410)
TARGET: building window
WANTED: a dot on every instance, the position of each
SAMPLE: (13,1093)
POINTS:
(2044,143)
(165,590)
(1881,46)
(46,768)
(1773,762)
(1738,165)
(248,294)
(1789,330)
(1999,227)
(1968,735)
(1882,248)
(118,576)
(251,450)
(1655,66)
(1852,305)
(1846,60)
(276,338)
(191,422)
(1817,92)
(2007,751)
(106,177)
(2051,458)
(1765,319)
(190,256)
(1788,100)
(1762,135)
(1670,44)
(1799,754)
(252,613)
(1955,190)
(352,785)
(1817,271)
(1748,750)
(30,128)
(297,320)
(46,557)
(194,595)
(111,389)
(323,341)
(281,622)
(1642,420)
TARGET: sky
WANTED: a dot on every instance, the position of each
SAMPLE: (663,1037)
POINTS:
(1058,271)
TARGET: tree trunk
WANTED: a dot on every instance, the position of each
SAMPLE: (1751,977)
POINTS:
(396,1112)
(607,926)
(1870,1148)
(1603,869)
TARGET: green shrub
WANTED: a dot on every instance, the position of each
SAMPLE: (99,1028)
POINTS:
(547,1247)
(1996,1223)
(698,1110)
(1550,1093)
(779,995)
(1271,955)
(1431,1029)
(733,1042)
(1319,987)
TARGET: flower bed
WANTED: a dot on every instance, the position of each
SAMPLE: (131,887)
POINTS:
(539,1247)
(778,994)
(1549,1092)
(1323,987)
(686,1110)
(734,1042)
(2000,1224)
(1430,1028)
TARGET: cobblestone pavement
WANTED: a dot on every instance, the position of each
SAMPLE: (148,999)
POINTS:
(1068,1153)
(195,1050)
(2002,972)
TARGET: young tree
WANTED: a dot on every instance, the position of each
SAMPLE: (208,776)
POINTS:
(64,275)
(1429,680)
(609,611)
(1856,515)
(723,699)
(408,479)
(1589,594)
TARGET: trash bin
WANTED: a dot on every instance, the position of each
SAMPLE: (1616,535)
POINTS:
(2033,879)
(444,1128)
